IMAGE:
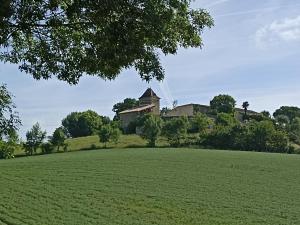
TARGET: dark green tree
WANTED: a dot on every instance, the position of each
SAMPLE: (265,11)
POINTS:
(175,130)
(58,138)
(266,114)
(128,103)
(67,39)
(290,111)
(34,138)
(109,132)
(223,104)
(151,129)
(81,124)
(245,106)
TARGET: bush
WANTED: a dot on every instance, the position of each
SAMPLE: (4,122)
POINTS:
(175,130)
(151,129)
(7,150)
(109,133)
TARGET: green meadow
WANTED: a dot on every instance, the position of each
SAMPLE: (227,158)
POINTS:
(151,186)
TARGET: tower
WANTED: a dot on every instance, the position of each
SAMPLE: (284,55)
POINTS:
(150,98)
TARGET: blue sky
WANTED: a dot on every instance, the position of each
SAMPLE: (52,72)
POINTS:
(252,53)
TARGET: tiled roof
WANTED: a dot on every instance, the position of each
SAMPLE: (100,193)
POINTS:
(139,109)
(149,93)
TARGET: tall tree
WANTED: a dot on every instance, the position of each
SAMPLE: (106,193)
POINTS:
(151,129)
(245,106)
(67,39)
(290,111)
(223,104)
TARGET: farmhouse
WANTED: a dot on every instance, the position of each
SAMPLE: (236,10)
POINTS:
(149,102)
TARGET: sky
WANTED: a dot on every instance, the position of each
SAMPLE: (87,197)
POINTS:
(252,53)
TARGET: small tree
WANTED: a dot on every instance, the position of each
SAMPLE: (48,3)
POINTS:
(152,129)
(109,133)
(245,106)
(34,138)
(223,104)
(175,130)
(200,123)
(58,138)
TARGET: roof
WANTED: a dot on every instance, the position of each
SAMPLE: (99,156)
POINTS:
(149,93)
(139,109)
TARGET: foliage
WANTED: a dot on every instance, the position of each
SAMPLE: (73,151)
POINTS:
(34,138)
(294,131)
(58,138)
(290,111)
(128,103)
(109,133)
(81,124)
(164,111)
(67,39)
(175,130)
(266,114)
(7,149)
(245,106)
(9,119)
(223,104)
(200,123)
(224,119)
(282,121)
(151,129)
(47,148)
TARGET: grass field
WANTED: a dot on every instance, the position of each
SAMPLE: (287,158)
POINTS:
(147,186)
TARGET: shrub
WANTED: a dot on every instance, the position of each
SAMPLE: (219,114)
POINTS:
(47,148)
(175,130)
(7,150)
(151,129)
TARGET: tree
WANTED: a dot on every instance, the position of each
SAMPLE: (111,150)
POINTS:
(109,133)
(151,129)
(34,138)
(58,138)
(200,123)
(9,119)
(290,111)
(223,104)
(128,103)
(245,107)
(266,114)
(294,131)
(175,130)
(81,124)
(224,119)
(67,39)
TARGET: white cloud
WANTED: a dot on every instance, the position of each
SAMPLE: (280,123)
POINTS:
(287,30)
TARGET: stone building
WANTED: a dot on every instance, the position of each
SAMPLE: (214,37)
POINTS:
(149,102)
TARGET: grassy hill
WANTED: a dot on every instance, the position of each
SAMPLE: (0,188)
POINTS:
(151,186)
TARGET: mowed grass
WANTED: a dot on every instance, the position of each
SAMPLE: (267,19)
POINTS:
(151,186)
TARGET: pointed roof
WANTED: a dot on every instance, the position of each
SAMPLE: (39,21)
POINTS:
(149,93)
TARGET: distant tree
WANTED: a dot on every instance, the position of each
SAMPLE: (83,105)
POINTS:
(128,103)
(266,114)
(290,111)
(223,104)
(58,138)
(174,104)
(175,130)
(282,121)
(109,133)
(294,131)
(81,124)
(245,107)
(34,138)
(151,129)
(69,39)
(115,132)
(200,123)
(47,148)
(164,111)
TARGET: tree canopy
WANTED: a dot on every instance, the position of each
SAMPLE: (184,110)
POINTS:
(223,104)
(290,111)
(128,103)
(69,38)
